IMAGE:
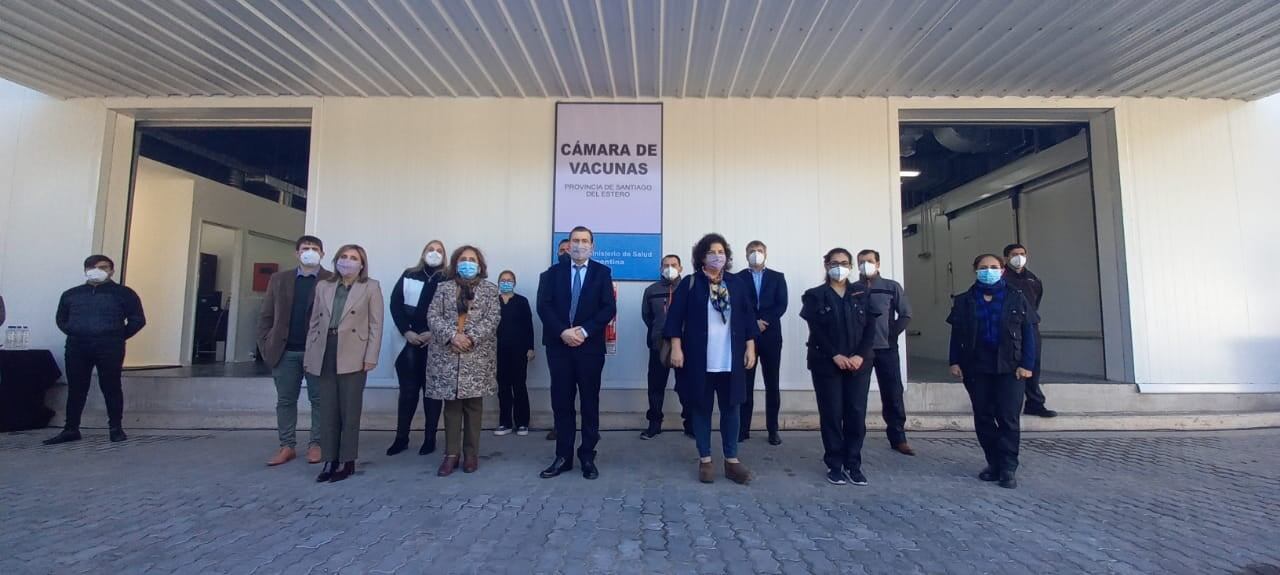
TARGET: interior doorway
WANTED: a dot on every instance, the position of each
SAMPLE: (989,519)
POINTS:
(213,211)
(971,188)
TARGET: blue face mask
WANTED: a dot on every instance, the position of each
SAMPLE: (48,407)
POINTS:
(468,270)
(506,287)
(989,276)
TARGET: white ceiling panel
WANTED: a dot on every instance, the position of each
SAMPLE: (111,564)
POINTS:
(642,48)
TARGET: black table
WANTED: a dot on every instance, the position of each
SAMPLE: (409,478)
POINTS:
(25,379)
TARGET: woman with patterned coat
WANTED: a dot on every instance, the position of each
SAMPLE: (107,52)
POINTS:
(462,367)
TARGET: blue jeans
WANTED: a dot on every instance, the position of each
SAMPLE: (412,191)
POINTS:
(717,385)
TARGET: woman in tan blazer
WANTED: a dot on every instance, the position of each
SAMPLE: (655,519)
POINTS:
(342,348)
(463,363)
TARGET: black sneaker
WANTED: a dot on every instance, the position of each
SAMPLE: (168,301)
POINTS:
(836,477)
(1008,480)
(989,474)
(855,476)
(651,432)
(400,444)
(64,436)
(117,435)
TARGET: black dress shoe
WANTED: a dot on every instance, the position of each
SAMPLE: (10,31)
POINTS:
(63,436)
(117,435)
(327,471)
(1040,411)
(347,470)
(1008,480)
(399,445)
(428,447)
(989,474)
(774,438)
(589,470)
(560,465)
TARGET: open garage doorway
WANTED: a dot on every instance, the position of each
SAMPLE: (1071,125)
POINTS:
(214,210)
(970,188)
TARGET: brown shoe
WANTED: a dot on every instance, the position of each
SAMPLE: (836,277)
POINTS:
(447,466)
(285,455)
(706,471)
(470,464)
(904,448)
(313,454)
(737,472)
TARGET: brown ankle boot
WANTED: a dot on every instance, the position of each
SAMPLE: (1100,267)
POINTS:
(470,464)
(706,471)
(737,472)
(447,466)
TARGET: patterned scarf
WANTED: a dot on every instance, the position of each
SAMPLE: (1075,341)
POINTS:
(720,299)
(988,312)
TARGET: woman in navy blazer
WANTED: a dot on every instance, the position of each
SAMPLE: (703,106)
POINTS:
(712,327)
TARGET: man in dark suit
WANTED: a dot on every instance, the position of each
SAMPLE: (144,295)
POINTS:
(768,295)
(575,303)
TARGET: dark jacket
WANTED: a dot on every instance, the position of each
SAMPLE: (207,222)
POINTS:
(515,331)
(771,304)
(893,312)
(1029,283)
(653,309)
(687,319)
(838,326)
(596,305)
(276,313)
(1017,333)
(412,316)
(104,311)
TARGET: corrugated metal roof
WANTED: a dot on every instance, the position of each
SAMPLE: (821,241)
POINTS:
(643,48)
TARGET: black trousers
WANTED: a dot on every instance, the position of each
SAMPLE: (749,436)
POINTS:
(82,357)
(769,358)
(513,393)
(894,410)
(997,412)
(658,376)
(1035,395)
(411,371)
(575,373)
(842,414)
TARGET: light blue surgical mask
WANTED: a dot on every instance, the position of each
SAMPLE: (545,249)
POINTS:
(468,270)
(507,286)
(987,276)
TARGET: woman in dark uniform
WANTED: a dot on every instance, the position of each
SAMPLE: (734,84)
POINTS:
(712,328)
(842,332)
(993,348)
(515,351)
(409,301)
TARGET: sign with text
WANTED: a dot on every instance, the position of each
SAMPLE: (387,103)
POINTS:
(608,161)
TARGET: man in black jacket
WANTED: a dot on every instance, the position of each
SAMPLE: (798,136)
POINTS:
(1015,256)
(97,317)
(653,311)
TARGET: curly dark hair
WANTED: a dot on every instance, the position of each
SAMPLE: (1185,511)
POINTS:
(453,262)
(701,248)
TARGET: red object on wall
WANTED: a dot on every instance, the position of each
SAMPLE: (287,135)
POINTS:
(262,275)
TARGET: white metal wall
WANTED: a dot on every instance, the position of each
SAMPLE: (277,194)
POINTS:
(802,176)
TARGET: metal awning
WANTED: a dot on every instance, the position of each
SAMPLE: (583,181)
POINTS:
(643,48)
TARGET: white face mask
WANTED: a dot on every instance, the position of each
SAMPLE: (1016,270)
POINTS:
(1019,261)
(434,258)
(868,269)
(755,258)
(671,272)
(309,258)
(95,275)
(839,273)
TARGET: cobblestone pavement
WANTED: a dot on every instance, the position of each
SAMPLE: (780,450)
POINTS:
(202,502)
